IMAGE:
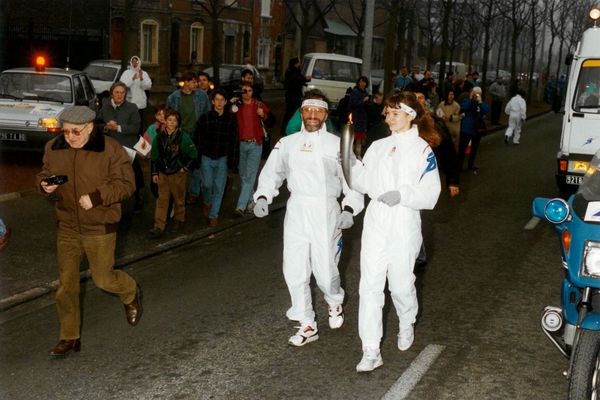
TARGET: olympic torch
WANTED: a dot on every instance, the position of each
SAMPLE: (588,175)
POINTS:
(346,149)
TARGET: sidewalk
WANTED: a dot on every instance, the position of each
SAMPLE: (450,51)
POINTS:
(28,265)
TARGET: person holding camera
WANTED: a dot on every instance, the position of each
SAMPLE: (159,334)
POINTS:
(472,127)
(91,175)
(252,115)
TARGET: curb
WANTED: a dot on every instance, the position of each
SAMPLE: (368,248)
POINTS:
(43,289)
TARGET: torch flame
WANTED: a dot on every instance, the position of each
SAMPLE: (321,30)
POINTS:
(350,118)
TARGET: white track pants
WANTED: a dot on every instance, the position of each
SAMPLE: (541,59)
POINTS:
(311,244)
(514,128)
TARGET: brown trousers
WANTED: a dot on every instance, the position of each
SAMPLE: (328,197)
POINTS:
(170,185)
(100,253)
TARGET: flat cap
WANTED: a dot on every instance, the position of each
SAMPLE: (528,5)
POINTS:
(77,115)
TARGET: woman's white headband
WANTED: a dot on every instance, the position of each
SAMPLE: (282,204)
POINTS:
(316,103)
(408,110)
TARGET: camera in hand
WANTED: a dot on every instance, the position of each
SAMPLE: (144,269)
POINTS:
(56,180)
(239,92)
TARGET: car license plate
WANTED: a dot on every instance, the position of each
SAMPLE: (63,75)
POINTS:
(574,180)
(13,136)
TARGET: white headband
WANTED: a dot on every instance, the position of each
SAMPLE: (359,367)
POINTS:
(408,110)
(316,103)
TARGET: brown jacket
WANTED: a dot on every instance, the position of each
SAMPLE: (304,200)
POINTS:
(102,170)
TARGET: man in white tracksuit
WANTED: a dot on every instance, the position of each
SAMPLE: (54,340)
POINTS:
(312,239)
(516,109)
(400,175)
(137,81)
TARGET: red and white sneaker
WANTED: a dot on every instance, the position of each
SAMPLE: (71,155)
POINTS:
(336,316)
(307,333)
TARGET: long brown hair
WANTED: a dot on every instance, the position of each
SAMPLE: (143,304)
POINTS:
(423,120)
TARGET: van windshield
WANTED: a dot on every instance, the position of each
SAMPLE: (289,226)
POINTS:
(334,70)
(587,94)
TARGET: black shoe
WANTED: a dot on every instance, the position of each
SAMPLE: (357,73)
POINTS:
(138,206)
(156,233)
(176,226)
(238,213)
(505,139)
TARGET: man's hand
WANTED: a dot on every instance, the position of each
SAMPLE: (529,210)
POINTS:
(344,220)
(261,208)
(454,190)
(85,202)
(390,198)
(48,188)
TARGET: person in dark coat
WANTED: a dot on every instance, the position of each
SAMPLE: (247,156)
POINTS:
(293,84)
(359,99)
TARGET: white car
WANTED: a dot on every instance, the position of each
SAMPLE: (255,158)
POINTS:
(31,102)
(103,74)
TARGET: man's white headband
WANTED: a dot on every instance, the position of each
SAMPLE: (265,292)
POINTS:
(316,103)
(408,110)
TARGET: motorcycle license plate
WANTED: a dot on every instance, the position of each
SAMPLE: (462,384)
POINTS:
(574,180)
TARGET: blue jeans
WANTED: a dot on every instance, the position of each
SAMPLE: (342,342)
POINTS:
(250,153)
(214,177)
(195,180)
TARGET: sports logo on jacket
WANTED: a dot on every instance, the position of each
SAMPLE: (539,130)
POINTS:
(431,163)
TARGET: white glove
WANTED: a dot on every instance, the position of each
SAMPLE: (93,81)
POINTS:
(390,198)
(261,208)
(344,220)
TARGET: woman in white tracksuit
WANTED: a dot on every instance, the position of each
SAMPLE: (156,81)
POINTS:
(516,109)
(138,81)
(400,175)
(312,239)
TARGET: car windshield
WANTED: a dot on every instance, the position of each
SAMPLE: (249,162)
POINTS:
(38,86)
(101,73)
(587,92)
(590,187)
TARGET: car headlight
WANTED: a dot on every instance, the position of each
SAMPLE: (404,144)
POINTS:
(557,211)
(592,259)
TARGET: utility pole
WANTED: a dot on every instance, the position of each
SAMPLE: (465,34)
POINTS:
(368,38)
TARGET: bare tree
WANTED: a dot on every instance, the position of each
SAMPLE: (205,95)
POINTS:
(534,27)
(487,18)
(390,44)
(429,25)
(304,23)
(214,9)
(356,23)
(446,8)
(517,13)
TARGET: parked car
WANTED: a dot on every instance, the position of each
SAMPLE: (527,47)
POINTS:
(230,77)
(103,74)
(31,101)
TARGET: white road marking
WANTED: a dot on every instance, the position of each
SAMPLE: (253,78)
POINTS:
(532,223)
(417,369)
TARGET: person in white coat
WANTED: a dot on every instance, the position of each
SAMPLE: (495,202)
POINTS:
(137,81)
(516,109)
(312,239)
(400,175)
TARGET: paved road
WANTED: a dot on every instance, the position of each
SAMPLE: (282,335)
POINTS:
(214,325)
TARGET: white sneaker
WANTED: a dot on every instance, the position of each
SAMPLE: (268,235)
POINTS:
(406,337)
(371,359)
(307,333)
(336,316)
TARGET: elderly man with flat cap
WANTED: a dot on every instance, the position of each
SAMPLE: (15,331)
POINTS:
(91,174)
(312,238)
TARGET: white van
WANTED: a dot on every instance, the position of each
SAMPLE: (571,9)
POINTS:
(580,137)
(331,73)
(459,69)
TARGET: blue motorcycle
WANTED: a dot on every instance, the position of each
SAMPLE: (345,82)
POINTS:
(574,327)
